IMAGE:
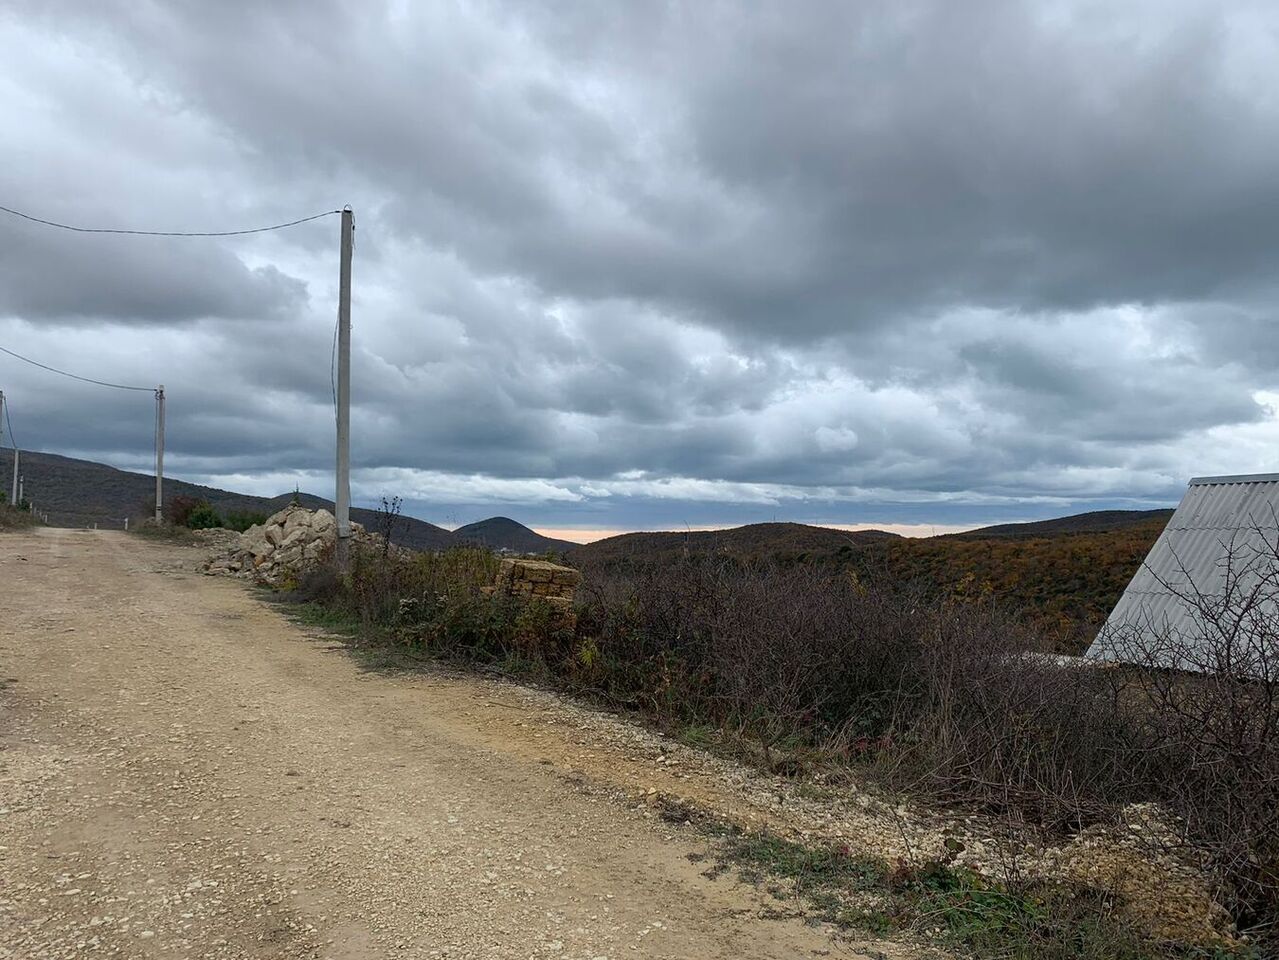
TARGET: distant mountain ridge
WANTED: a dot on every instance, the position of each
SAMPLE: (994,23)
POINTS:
(503,533)
(80,493)
(754,540)
(1096,521)
(795,539)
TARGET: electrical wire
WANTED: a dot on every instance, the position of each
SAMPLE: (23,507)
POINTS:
(73,376)
(167,233)
(333,363)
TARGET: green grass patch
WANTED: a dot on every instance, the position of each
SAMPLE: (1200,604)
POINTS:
(326,618)
(165,533)
(1035,921)
(760,855)
(701,736)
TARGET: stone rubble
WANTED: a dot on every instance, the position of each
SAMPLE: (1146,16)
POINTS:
(288,544)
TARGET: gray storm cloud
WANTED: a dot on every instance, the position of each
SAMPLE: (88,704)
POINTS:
(856,253)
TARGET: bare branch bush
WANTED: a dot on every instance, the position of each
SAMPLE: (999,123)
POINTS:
(1205,704)
(388,522)
(962,702)
(958,701)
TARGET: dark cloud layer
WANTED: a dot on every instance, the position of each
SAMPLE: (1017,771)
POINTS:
(616,263)
(149,281)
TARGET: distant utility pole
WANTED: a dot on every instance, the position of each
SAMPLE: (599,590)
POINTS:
(159,453)
(342,499)
(13,495)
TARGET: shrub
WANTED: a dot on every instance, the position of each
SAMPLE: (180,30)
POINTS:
(241,520)
(1206,710)
(203,517)
(958,700)
(388,523)
(178,509)
(955,699)
(15,518)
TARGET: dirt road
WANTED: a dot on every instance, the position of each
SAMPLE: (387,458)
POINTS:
(185,773)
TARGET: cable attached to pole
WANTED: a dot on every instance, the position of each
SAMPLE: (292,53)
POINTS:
(167,233)
(73,376)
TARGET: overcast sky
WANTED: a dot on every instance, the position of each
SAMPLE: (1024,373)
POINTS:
(651,265)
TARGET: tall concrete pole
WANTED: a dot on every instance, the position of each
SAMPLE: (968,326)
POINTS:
(159,453)
(13,493)
(342,498)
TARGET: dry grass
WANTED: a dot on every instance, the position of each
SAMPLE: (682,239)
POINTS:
(12,519)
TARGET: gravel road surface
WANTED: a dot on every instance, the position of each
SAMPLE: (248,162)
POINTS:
(184,773)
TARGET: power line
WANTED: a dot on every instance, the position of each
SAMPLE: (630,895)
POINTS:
(168,233)
(73,376)
(333,362)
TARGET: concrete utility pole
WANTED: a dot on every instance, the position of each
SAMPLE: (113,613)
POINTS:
(13,493)
(159,454)
(342,498)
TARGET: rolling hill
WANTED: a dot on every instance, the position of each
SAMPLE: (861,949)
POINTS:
(503,533)
(754,541)
(1098,521)
(1063,575)
(80,493)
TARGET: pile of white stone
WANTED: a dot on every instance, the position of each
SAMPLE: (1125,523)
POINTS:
(286,545)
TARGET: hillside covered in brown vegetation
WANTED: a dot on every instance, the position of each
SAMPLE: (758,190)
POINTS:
(1065,584)
(1063,576)
(756,541)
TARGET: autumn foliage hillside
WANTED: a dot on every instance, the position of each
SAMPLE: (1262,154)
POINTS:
(1062,576)
(1065,585)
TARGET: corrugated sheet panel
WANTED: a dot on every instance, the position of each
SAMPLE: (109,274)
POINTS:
(1215,562)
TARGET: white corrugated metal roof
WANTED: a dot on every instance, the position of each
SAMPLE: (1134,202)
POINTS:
(1222,542)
